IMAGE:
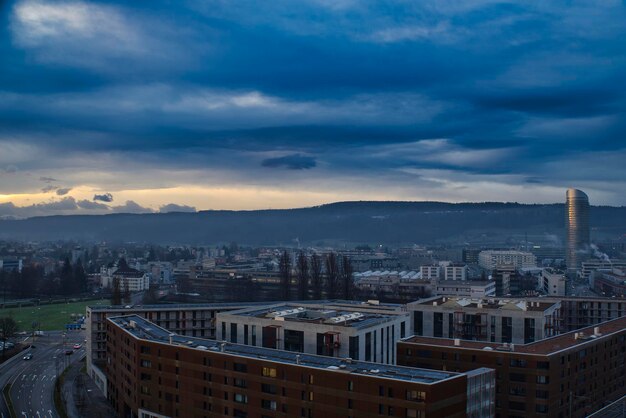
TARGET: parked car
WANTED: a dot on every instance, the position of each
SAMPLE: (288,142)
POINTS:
(28,356)
(76,346)
(69,352)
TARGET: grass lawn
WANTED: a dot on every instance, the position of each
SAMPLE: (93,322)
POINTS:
(51,317)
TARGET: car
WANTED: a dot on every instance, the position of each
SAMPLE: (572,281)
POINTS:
(28,356)
(69,352)
(77,346)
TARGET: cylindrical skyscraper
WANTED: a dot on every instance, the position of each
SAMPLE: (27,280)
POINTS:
(577,228)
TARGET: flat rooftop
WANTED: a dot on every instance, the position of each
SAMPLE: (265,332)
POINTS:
(145,330)
(355,315)
(533,305)
(241,305)
(546,346)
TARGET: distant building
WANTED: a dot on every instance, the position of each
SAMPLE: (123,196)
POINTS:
(430,272)
(455,272)
(11,264)
(607,265)
(490,259)
(466,288)
(553,282)
(568,375)
(502,275)
(129,278)
(577,228)
(609,283)
(494,320)
(154,374)
(470,255)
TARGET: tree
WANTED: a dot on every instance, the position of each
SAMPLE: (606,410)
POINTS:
(126,293)
(67,279)
(116,293)
(150,296)
(8,329)
(302,273)
(332,275)
(316,276)
(347,280)
(80,278)
(284,267)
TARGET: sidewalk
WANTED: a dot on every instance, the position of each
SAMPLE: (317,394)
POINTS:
(82,397)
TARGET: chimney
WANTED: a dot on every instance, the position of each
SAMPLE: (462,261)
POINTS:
(172,338)
(512,347)
(223,346)
(297,358)
(596,331)
(435,303)
(457,342)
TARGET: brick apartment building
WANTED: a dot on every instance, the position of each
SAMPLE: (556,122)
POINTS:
(568,375)
(154,374)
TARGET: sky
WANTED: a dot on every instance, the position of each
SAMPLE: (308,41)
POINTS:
(184,105)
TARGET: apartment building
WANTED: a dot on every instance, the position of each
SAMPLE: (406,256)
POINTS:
(467,288)
(153,373)
(566,376)
(553,282)
(490,259)
(357,330)
(495,320)
(455,272)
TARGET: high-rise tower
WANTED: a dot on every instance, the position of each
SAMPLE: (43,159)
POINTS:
(577,228)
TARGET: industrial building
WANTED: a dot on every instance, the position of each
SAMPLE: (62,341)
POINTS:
(153,373)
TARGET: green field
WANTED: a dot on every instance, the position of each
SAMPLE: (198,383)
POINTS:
(51,317)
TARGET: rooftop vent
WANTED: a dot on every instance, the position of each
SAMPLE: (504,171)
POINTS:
(457,342)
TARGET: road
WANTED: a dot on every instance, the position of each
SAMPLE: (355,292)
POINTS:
(33,380)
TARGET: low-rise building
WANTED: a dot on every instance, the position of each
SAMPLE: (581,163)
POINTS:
(597,264)
(430,272)
(568,375)
(609,283)
(154,374)
(494,320)
(468,288)
(553,282)
(455,272)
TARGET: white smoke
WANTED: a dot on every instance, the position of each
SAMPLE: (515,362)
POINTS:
(599,254)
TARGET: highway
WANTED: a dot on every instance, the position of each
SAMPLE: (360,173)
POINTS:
(33,380)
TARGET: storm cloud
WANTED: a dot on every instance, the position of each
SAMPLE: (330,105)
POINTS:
(455,101)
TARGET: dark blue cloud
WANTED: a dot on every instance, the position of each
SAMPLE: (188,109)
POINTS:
(106,197)
(292,162)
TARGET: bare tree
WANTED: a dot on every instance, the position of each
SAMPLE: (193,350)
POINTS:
(284,267)
(347,280)
(116,293)
(332,275)
(316,276)
(126,294)
(8,329)
(302,272)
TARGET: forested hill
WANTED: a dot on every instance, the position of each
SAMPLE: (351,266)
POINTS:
(356,222)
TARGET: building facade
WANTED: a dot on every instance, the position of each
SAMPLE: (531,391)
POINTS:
(155,374)
(567,376)
(354,330)
(577,228)
(490,320)
(553,282)
(490,259)
(467,288)
(455,272)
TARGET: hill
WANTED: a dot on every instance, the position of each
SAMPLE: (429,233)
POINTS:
(354,222)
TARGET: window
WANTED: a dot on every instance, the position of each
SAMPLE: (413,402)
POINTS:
(415,396)
(517,406)
(269,372)
(240,398)
(350,386)
(146,363)
(145,349)
(233,333)
(240,383)
(543,379)
(542,409)
(267,404)
(240,367)
(271,389)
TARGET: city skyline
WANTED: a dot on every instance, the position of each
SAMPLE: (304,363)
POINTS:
(111,108)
